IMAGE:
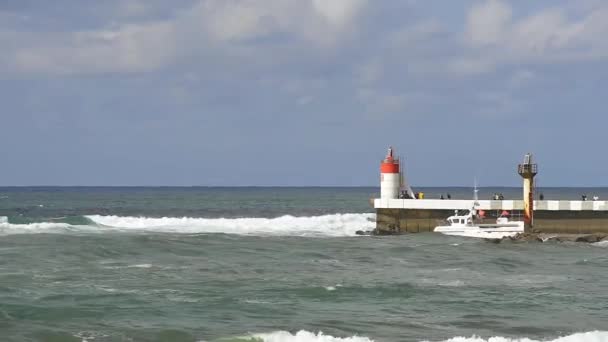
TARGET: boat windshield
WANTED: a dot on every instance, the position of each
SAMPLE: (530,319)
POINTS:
(458,220)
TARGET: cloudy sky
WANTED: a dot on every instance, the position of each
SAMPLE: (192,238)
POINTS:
(301,92)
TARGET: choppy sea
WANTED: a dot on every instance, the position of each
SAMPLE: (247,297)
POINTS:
(279,265)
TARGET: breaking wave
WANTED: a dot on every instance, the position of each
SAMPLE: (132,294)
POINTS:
(306,336)
(325,225)
(591,336)
(601,244)
(328,225)
(39,227)
(302,336)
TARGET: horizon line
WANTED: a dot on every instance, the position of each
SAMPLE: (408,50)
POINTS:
(284,186)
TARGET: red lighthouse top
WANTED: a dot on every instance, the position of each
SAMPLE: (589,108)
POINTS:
(390,164)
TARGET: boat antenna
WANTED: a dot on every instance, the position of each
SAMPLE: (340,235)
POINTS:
(475,194)
(475,190)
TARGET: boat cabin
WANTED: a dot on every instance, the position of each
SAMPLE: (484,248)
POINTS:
(461,220)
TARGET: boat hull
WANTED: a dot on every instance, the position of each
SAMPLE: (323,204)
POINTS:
(495,232)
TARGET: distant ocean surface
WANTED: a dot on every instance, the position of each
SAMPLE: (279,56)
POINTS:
(279,264)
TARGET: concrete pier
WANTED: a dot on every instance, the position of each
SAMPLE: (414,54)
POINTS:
(398,216)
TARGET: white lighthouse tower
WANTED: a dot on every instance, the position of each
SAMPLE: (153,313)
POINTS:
(390,178)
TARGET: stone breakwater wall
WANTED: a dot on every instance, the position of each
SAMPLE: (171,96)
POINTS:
(400,221)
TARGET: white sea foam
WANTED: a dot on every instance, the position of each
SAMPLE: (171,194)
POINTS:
(601,243)
(87,336)
(325,225)
(333,288)
(306,336)
(453,283)
(591,336)
(40,227)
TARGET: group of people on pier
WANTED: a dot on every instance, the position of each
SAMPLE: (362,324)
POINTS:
(498,197)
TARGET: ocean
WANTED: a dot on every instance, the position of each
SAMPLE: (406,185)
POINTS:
(279,265)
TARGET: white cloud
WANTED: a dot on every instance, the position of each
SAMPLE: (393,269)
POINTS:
(339,13)
(206,26)
(130,48)
(545,31)
(230,20)
(488,21)
(319,22)
(493,37)
(267,33)
(132,8)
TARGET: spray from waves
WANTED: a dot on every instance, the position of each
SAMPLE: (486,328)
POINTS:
(306,336)
(325,225)
(7,228)
(300,336)
(591,336)
(603,243)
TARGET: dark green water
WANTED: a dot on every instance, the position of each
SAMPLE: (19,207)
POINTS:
(99,264)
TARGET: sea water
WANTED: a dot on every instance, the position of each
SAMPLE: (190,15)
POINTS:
(278,264)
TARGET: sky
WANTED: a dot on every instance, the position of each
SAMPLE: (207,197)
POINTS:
(302,92)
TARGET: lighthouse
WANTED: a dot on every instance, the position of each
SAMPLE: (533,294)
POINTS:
(390,178)
(527,170)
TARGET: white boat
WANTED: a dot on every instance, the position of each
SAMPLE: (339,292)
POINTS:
(464,225)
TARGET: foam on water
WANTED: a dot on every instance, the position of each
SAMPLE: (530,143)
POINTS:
(306,336)
(40,227)
(325,225)
(601,244)
(591,336)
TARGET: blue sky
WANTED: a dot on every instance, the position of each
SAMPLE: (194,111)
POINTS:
(301,92)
